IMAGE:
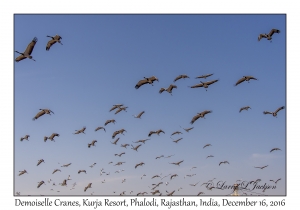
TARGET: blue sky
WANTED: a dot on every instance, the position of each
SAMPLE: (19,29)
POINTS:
(101,60)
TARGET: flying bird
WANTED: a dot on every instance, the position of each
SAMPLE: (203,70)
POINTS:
(146,80)
(124,145)
(155,176)
(169,89)
(56,171)
(88,186)
(119,163)
(27,52)
(118,132)
(51,137)
(194,184)
(187,129)
(93,165)
(110,121)
(177,163)
(25,137)
(54,39)
(139,164)
(204,76)
(64,183)
(139,115)
(80,131)
(262,167)
(206,145)
(200,115)
(142,141)
(223,162)
(182,76)
(40,161)
(116,106)
(245,78)
(156,132)
(172,176)
(98,128)
(92,143)
(122,153)
(159,157)
(154,192)
(204,84)
(274,113)
(40,184)
(115,142)
(169,156)
(121,109)
(42,112)
(22,172)
(177,140)
(136,147)
(66,165)
(268,36)
(274,149)
(245,108)
(176,132)
(81,171)
(171,193)
(209,156)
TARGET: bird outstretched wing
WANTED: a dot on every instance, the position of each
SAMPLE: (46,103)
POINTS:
(273,31)
(30,47)
(240,81)
(196,117)
(140,83)
(211,82)
(261,36)
(280,108)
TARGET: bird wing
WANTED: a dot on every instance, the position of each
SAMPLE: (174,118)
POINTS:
(40,113)
(162,90)
(205,112)
(113,108)
(198,85)
(141,82)
(262,36)
(114,134)
(19,58)
(177,78)
(267,112)
(250,77)
(30,47)
(240,81)
(118,111)
(273,31)
(170,88)
(140,114)
(211,82)
(280,108)
(195,118)
(151,132)
(50,43)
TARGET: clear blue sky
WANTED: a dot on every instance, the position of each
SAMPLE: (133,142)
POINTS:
(101,60)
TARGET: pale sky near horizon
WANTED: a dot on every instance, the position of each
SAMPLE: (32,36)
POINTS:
(118,44)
